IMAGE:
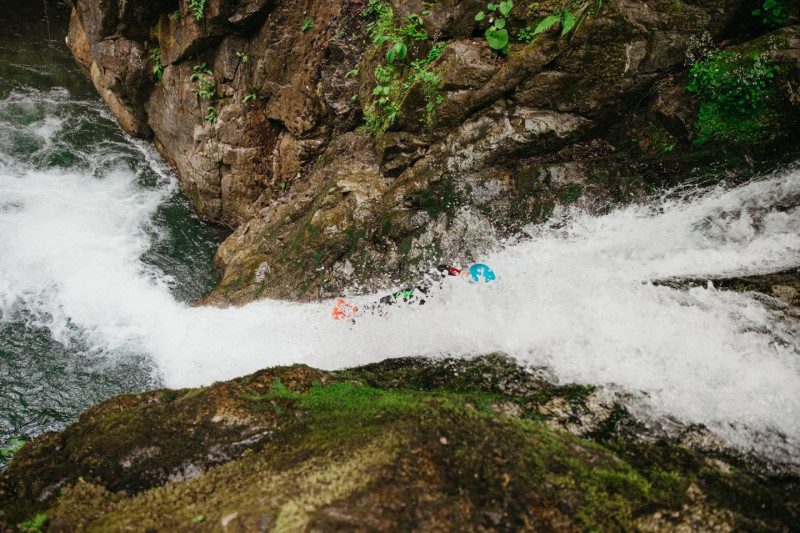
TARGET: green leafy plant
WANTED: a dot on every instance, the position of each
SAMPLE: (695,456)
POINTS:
(735,93)
(212,114)
(569,18)
(774,13)
(35,525)
(307,25)
(398,50)
(394,78)
(526,35)
(430,81)
(496,34)
(374,8)
(252,95)
(205,84)
(242,56)
(353,72)
(15,445)
(197,7)
(418,68)
(155,57)
(431,84)
(383,110)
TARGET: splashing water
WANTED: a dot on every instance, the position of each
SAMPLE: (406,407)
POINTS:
(82,220)
(84,212)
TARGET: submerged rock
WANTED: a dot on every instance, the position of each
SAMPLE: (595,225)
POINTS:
(408,444)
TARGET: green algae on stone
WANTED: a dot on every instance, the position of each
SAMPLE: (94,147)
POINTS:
(403,444)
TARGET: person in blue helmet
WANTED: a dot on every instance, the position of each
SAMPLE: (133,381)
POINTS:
(416,294)
(478,273)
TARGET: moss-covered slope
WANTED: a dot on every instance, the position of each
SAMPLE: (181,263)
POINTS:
(402,445)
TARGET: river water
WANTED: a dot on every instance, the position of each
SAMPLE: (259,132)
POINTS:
(83,210)
(102,259)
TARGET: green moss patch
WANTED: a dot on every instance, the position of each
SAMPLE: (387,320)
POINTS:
(403,444)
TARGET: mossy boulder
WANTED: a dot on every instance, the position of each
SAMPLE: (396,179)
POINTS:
(408,444)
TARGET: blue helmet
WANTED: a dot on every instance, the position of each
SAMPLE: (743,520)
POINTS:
(480,272)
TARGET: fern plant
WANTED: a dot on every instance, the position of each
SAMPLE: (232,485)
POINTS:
(569,18)
(566,19)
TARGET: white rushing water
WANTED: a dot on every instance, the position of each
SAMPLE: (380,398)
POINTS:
(578,299)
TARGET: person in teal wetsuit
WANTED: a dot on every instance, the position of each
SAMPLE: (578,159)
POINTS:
(415,295)
(477,273)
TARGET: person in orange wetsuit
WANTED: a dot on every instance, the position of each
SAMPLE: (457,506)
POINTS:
(344,311)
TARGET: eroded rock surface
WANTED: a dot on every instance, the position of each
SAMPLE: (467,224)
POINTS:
(260,106)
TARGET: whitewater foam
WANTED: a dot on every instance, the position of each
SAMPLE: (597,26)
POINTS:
(577,298)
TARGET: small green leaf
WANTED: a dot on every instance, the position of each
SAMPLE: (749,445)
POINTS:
(198,518)
(497,39)
(401,50)
(505,49)
(480,16)
(307,25)
(390,55)
(491,7)
(505,7)
(500,24)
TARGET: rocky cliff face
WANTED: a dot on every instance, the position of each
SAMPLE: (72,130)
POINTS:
(406,444)
(339,169)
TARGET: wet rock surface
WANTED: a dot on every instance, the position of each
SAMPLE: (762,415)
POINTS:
(406,444)
(260,108)
(778,291)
